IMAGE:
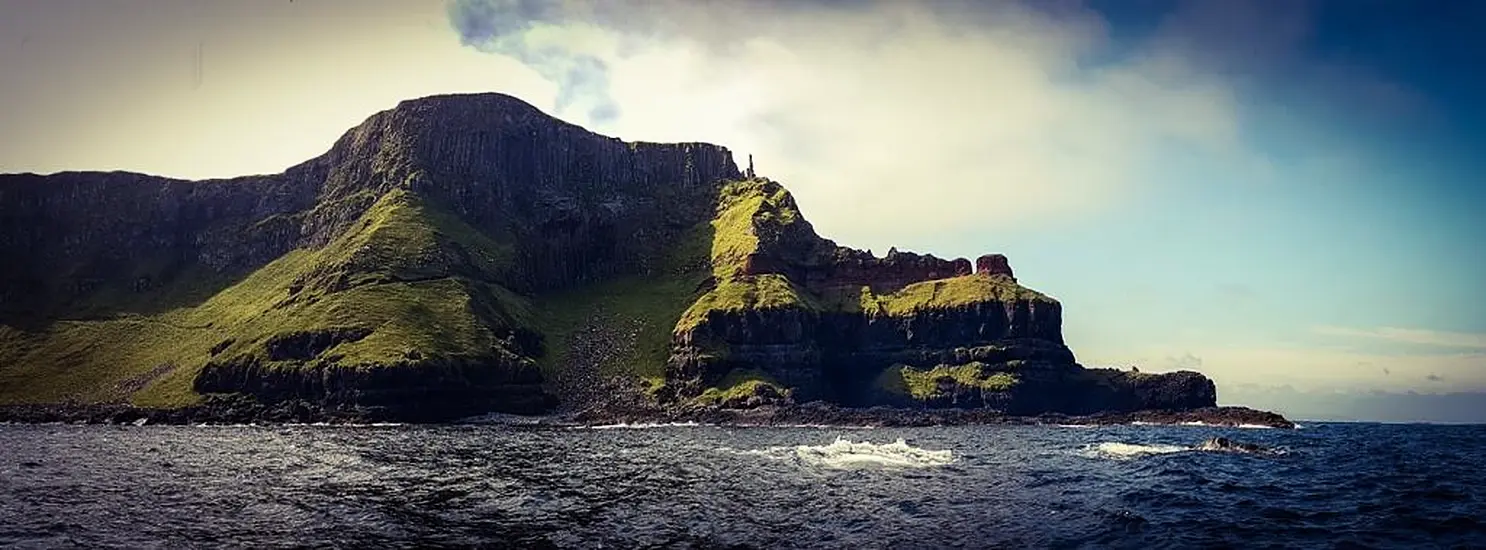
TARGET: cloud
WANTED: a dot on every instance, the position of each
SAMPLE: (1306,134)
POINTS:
(1408,406)
(1314,368)
(1475,341)
(889,120)
(1258,43)
(1318,369)
(1185,362)
(514,28)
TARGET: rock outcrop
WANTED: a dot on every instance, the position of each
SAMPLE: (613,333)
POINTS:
(812,320)
(994,264)
(457,254)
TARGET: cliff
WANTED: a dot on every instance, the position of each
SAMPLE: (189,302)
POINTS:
(789,316)
(463,254)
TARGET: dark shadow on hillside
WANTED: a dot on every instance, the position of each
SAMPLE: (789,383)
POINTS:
(33,306)
(602,341)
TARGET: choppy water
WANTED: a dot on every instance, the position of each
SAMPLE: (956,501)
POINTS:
(703,486)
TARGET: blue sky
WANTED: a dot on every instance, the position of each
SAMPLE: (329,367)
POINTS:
(1281,194)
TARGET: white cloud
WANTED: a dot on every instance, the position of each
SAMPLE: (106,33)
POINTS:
(1321,369)
(890,121)
(1424,337)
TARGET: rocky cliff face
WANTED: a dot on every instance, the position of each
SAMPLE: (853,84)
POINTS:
(791,316)
(461,254)
(89,242)
(423,232)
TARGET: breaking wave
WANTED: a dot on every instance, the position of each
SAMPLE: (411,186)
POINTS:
(1126,451)
(845,454)
(1116,450)
(642,426)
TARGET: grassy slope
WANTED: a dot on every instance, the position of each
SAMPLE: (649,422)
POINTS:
(394,272)
(644,309)
(750,208)
(744,209)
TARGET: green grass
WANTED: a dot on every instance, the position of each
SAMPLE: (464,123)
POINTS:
(937,294)
(414,276)
(744,293)
(746,210)
(924,384)
(647,307)
(738,384)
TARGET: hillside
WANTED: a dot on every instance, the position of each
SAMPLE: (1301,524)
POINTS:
(468,253)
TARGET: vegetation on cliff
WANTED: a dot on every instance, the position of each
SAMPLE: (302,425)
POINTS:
(923,384)
(467,253)
(407,285)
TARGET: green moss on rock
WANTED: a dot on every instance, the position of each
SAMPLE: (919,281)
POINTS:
(411,278)
(739,387)
(923,385)
(747,293)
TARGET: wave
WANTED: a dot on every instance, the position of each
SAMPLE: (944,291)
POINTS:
(805,426)
(845,454)
(1117,450)
(1126,451)
(693,424)
(641,426)
(1201,424)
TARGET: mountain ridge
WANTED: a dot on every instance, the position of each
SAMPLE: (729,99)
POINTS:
(461,254)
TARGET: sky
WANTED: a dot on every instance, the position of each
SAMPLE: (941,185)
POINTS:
(1282,194)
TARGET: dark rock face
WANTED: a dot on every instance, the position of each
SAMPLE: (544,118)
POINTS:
(897,270)
(310,344)
(994,264)
(414,390)
(564,196)
(841,357)
(579,207)
(70,236)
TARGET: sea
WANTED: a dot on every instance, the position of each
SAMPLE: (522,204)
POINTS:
(506,483)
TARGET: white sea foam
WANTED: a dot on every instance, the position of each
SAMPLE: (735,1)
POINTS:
(1194,423)
(1077,425)
(805,426)
(642,426)
(1126,451)
(1259,426)
(1116,450)
(845,454)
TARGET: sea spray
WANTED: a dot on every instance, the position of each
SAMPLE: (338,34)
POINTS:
(845,454)
(1125,451)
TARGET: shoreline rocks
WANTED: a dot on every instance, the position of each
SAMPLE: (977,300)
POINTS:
(239,409)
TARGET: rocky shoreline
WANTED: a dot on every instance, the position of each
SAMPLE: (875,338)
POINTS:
(240,410)
(823,414)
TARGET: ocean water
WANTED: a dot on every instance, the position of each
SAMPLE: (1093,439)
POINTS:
(501,485)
